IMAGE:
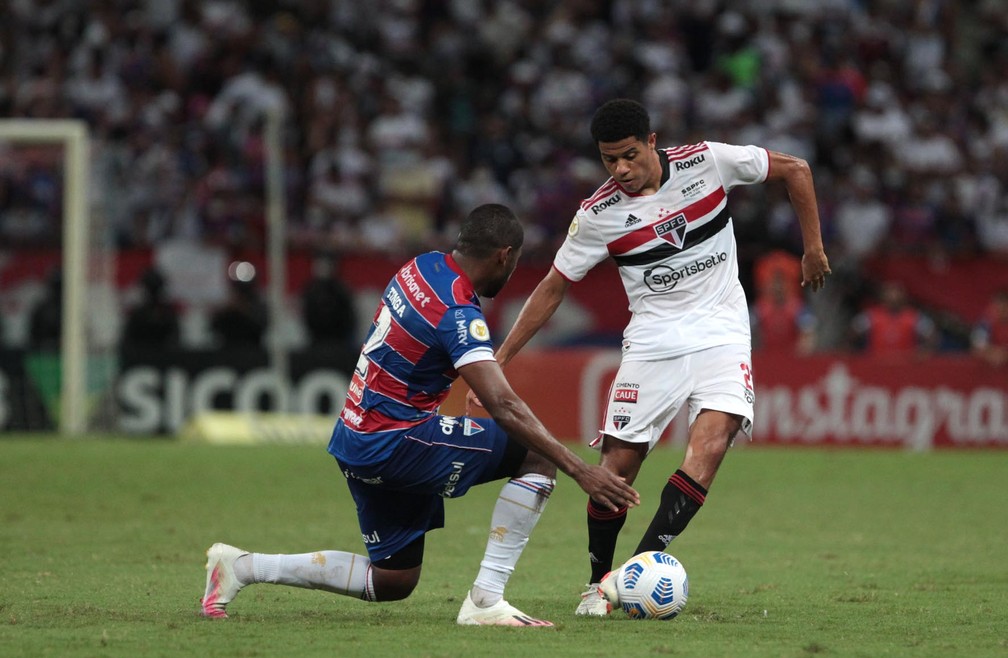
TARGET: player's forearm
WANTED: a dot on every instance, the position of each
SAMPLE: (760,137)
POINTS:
(531,319)
(538,309)
(518,421)
(801,190)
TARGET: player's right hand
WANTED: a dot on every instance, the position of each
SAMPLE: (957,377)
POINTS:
(471,402)
(607,488)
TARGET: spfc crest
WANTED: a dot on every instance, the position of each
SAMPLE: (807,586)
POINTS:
(672,230)
(620,421)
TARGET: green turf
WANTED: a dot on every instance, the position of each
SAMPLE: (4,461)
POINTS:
(797,553)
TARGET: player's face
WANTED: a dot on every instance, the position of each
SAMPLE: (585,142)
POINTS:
(632,163)
(505,270)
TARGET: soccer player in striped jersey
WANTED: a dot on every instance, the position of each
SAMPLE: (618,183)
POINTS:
(402,459)
(663,217)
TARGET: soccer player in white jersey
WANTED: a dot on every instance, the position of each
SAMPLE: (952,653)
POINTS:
(663,217)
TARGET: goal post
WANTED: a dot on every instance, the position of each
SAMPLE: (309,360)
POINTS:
(73,136)
(276,244)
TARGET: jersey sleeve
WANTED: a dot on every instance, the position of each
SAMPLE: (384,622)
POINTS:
(464,334)
(740,165)
(582,249)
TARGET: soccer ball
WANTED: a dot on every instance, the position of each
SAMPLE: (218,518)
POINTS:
(652,585)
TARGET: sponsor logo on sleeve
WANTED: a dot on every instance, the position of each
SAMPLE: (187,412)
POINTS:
(478,329)
(461,331)
(572,230)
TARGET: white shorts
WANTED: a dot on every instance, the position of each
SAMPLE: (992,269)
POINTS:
(646,395)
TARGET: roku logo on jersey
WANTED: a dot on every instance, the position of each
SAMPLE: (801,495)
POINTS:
(611,201)
(663,278)
(682,165)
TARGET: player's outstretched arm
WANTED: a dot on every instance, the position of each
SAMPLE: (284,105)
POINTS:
(536,312)
(487,381)
(797,177)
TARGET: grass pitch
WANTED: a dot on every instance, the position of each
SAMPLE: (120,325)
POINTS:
(797,552)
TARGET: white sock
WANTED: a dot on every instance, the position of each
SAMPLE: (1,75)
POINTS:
(518,509)
(333,571)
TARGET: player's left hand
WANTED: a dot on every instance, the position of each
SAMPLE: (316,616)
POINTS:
(814,267)
(607,488)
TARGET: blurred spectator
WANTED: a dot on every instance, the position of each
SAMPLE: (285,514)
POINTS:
(989,340)
(881,119)
(781,322)
(862,221)
(992,228)
(154,322)
(929,149)
(914,220)
(242,320)
(46,319)
(247,97)
(327,306)
(892,326)
(778,268)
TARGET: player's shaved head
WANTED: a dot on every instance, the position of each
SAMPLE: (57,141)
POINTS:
(618,119)
(488,228)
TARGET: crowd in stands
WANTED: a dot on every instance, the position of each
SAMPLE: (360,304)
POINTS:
(400,115)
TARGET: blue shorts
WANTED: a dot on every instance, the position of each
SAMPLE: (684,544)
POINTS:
(402,498)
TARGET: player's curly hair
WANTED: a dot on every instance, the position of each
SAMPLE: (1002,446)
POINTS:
(488,228)
(618,119)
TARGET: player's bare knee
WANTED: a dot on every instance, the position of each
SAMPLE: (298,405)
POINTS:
(714,432)
(623,458)
(536,463)
(394,585)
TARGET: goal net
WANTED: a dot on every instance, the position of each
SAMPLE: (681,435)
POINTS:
(65,384)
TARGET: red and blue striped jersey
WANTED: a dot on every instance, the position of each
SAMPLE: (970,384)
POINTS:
(429,323)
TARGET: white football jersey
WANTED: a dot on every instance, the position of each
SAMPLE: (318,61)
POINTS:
(675,250)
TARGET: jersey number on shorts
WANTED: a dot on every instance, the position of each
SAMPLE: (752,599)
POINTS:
(746,375)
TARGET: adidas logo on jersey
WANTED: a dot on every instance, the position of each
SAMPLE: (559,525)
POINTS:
(631,220)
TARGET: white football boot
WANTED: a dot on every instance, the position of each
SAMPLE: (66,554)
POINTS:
(221,584)
(501,613)
(598,600)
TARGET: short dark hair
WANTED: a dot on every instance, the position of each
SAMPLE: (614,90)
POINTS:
(488,228)
(618,119)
